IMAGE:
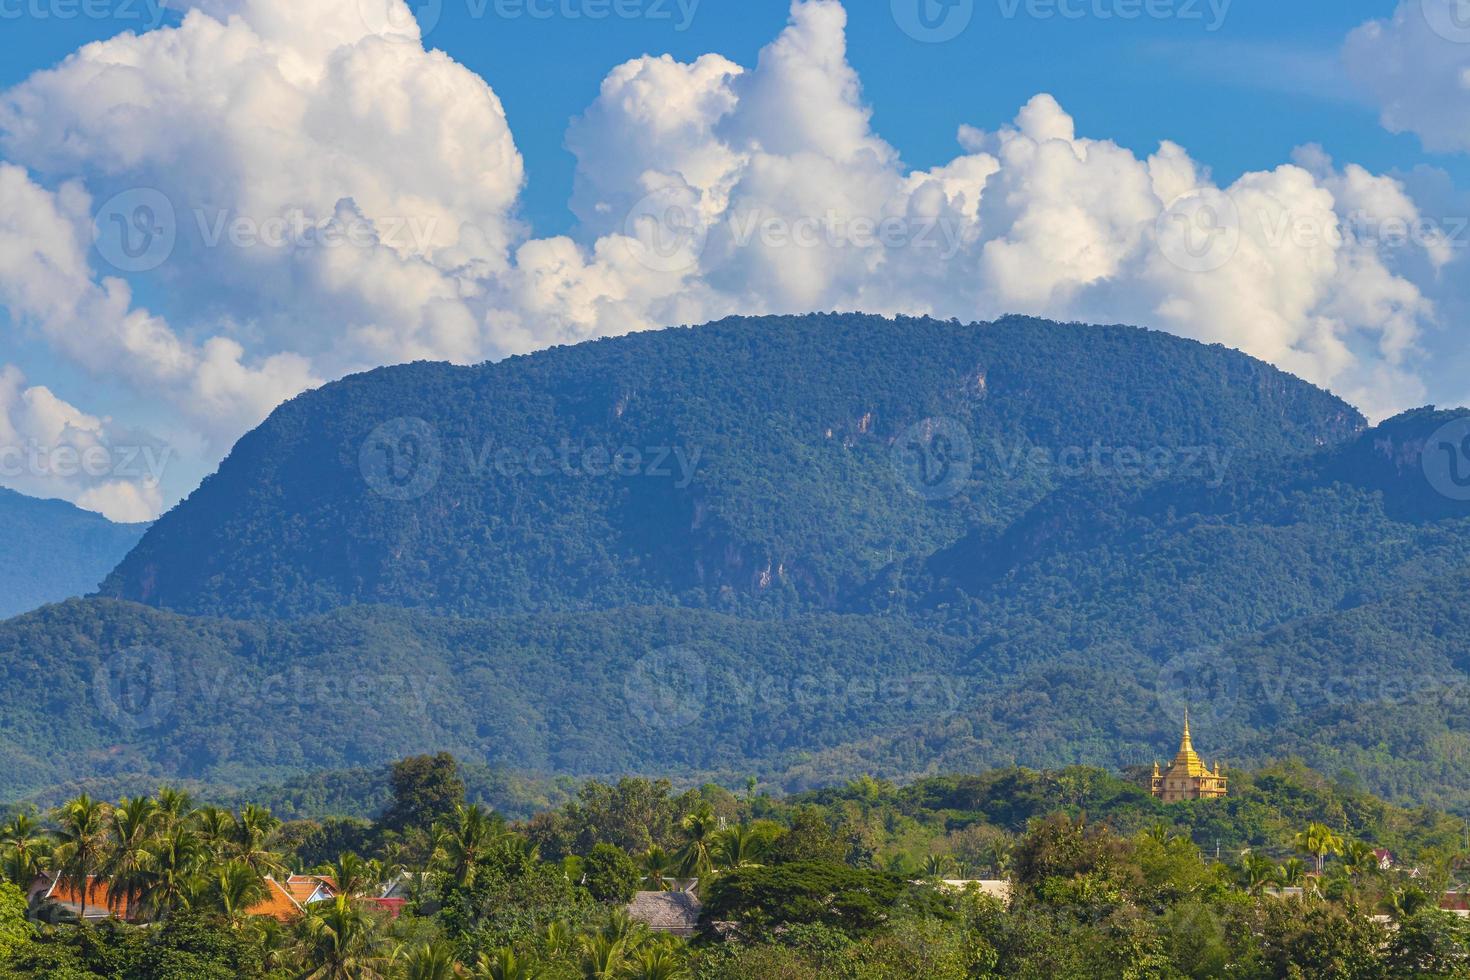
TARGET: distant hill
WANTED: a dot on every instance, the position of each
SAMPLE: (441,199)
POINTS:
(900,547)
(56,551)
(774,464)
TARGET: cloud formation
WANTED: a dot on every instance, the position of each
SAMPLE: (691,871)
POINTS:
(316,194)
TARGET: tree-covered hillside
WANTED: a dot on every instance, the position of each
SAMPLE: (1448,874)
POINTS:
(56,551)
(774,463)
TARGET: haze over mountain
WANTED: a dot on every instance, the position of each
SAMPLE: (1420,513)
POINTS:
(57,551)
(833,543)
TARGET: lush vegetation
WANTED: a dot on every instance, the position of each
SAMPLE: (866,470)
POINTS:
(795,610)
(792,500)
(849,882)
(67,551)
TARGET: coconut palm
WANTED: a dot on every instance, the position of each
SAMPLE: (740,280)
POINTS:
(82,833)
(430,961)
(1319,841)
(1257,872)
(355,877)
(466,840)
(1291,874)
(697,859)
(132,823)
(656,962)
(171,880)
(24,847)
(658,867)
(337,940)
(503,964)
(937,867)
(234,888)
(216,828)
(740,847)
(254,828)
(1359,858)
(174,805)
(603,956)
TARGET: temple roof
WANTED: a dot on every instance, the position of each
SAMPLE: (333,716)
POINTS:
(1188,762)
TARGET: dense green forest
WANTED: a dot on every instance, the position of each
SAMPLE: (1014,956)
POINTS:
(1098,527)
(766,465)
(1294,875)
(67,551)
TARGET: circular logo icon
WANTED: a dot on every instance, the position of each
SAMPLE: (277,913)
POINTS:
(935,458)
(1200,230)
(401,459)
(1446,459)
(1450,19)
(1206,683)
(933,21)
(665,231)
(667,689)
(136,689)
(135,231)
(395,20)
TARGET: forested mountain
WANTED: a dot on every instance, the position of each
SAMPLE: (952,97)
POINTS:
(56,551)
(773,464)
(835,544)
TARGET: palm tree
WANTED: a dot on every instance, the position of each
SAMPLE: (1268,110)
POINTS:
(658,867)
(937,867)
(337,940)
(740,847)
(235,888)
(24,846)
(697,860)
(503,964)
(1407,903)
(1258,872)
(1359,858)
(467,841)
(603,956)
(132,824)
(83,841)
(254,828)
(1319,841)
(656,962)
(1291,874)
(172,872)
(431,961)
(174,805)
(355,877)
(216,828)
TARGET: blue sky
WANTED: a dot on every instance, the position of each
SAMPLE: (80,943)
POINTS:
(207,342)
(1241,96)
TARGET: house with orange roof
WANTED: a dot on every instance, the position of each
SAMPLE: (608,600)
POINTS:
(309,889)
(278,904)
(51,897)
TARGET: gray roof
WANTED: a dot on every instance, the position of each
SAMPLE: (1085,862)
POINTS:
(675,913)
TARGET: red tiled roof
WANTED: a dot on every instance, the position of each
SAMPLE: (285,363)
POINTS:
(393,906)
(302,887)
